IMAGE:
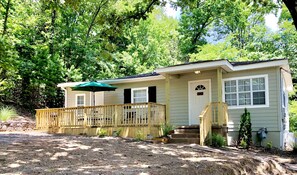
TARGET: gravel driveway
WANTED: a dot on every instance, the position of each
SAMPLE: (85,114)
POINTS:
(40,153)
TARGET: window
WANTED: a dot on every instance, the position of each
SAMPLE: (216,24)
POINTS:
(246,91)
(139,95)
(80,101)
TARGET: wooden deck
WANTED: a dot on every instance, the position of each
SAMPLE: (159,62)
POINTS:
(131,119)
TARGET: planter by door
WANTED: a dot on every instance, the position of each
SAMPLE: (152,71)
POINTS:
(199,97)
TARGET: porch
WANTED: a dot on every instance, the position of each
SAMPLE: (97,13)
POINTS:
(144,118)
(131,119)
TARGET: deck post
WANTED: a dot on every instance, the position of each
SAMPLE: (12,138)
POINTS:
(167,96)
(149,118)
(116,116)
(220,98)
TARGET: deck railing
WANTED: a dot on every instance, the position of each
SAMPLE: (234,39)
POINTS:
(215,113)
(139,114)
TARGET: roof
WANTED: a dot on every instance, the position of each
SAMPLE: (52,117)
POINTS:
(140,75)
(240,63)
(226,65)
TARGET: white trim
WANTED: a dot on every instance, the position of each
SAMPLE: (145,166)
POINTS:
(273,63)
(196,66)
(76,95)
(248,77)
(129,80)
(116,81)
(69,84)
(91,93)
(189,94)
(141,88)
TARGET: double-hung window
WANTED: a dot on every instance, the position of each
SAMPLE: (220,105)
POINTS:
(246,91)
(80,101)
(139,95)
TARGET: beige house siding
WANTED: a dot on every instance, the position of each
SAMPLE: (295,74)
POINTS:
(117,96)
(179,98)
(71,95)
(260,117)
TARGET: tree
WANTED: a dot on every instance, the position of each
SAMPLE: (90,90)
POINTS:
(153,43)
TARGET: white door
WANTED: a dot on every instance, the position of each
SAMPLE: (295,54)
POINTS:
(199,97)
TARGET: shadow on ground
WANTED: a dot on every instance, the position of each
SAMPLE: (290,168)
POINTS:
(37,153)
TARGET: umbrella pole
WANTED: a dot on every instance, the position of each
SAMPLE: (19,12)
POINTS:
(94,96)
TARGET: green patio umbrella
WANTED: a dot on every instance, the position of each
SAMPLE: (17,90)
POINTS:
(93,86)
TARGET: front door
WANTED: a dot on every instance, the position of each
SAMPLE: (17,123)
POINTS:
(199,97)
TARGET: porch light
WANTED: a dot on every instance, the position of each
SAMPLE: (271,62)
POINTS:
(197,72)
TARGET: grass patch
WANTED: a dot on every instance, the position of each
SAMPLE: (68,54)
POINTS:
(7,113)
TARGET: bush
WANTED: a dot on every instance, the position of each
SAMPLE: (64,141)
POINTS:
(293,116)
(6,113)
(117,133)
(102,132)
(269,145)
(245,129)
(218,140)
(166,129)
(139,135)
(243,144)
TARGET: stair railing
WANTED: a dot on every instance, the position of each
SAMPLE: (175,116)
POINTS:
(214,113)
(205,124)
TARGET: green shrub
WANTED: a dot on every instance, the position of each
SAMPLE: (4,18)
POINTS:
(166,129)
(243,144)
(218,140)
(245,129)
(139,135)
(117,133)
(293,116)
(269,145)
(102,132)
(6,113)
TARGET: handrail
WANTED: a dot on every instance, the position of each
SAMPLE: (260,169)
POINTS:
(215,113)
(144,114)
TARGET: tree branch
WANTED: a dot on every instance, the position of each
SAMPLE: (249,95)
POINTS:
(94,18)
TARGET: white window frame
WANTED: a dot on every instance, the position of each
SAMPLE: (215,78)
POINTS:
(77,95)
(265,76)
(142,88)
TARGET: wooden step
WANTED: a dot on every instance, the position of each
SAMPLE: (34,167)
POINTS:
(184,140)
(183,131)
(188,127)
(185,135)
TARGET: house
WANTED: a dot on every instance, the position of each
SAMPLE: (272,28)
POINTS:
(198,93)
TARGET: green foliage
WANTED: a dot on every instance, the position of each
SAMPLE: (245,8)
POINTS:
(139,135)
(117,133)
(166,128)
(293,116)
(102,132)
(269,145)
(6,113)
(245,129)
(218,140)
(243,144)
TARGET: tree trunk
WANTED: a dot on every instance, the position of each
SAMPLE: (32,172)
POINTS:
(292,6)
(6,18)
(53,23)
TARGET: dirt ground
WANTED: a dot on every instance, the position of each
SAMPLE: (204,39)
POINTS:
(40,153)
